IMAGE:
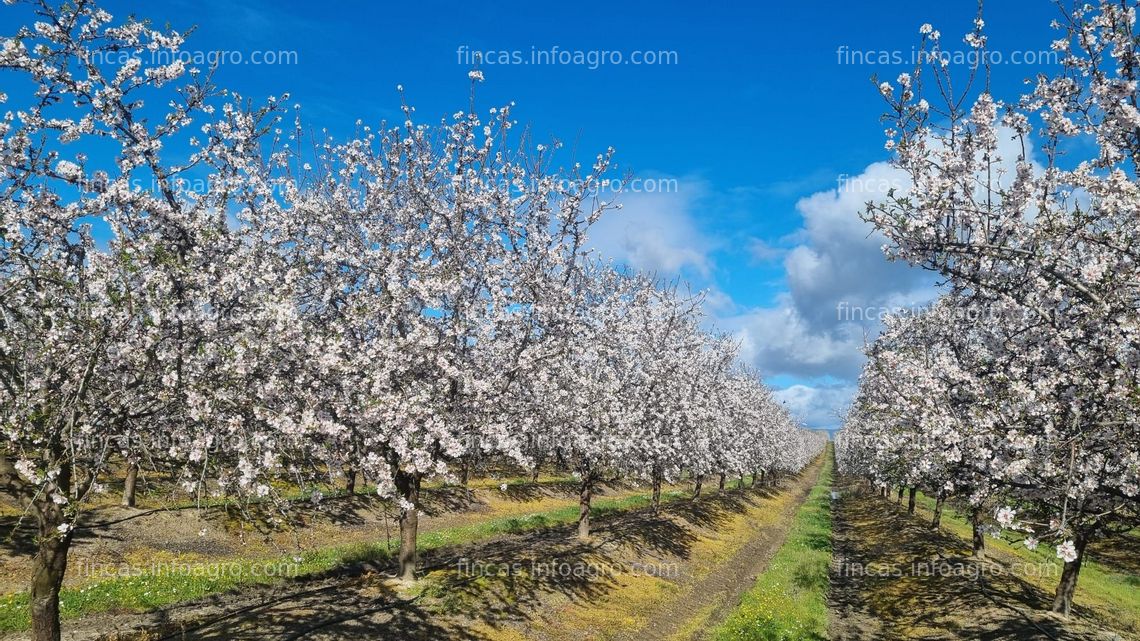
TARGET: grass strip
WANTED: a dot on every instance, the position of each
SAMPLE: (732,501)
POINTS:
(137,590)
(789,600)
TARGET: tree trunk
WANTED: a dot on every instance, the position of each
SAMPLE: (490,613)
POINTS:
(979,535)
(409,486)
(937,522)
(465,467)
(129,485)
(656,493)
(350,481)
(48,569)
(700,481)
(50,562)
(763,475)
(721,487)
(755,475)
(1063,600)
(899,499)
(911,500)
(584,507)
(883,491)
(740,484)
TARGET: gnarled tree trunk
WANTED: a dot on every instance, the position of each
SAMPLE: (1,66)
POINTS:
(129,485)
(350,481)
(584,496)
(911,500)
(52,545)
(720,488)
(1063,599)
(48,569)
(700,481)
(408,485)
(979,534)
(937,522)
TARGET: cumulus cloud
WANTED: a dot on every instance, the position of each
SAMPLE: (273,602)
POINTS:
(839,287)
(818,407)
(841,260)
(655,232)
(778,341)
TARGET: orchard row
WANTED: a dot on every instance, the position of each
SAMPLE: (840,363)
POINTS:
(1016,392)
(277,308)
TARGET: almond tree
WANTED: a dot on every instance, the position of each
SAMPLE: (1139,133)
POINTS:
(587,397)
(426,257)
(101,334)
(1047,226)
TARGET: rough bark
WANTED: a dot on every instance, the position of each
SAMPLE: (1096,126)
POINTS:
(899,498)
(130,483)
(50,562)
(911,500)
(1067,587)
(584,496)
(979,534)
(408,485)
(937,521)
(656,493)
(720,488)
(700,481)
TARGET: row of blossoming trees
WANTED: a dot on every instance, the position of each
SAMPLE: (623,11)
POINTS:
(1017,390)
(190,282)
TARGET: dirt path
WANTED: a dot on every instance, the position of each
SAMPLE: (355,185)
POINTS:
(709,600)
(893,577)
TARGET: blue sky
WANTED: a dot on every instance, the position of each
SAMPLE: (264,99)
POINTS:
(764,130)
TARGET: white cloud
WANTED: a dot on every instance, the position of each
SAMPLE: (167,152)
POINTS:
(839,286)
(655,232)
(762,252)
(817,407)
(777,340)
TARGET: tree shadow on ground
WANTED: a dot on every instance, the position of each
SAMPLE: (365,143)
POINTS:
(362,607)
(893,577)
(465,588)
(19,535)
(1121,554)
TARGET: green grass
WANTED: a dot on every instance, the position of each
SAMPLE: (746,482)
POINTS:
(789,600)
(1115,594)
(177,582)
